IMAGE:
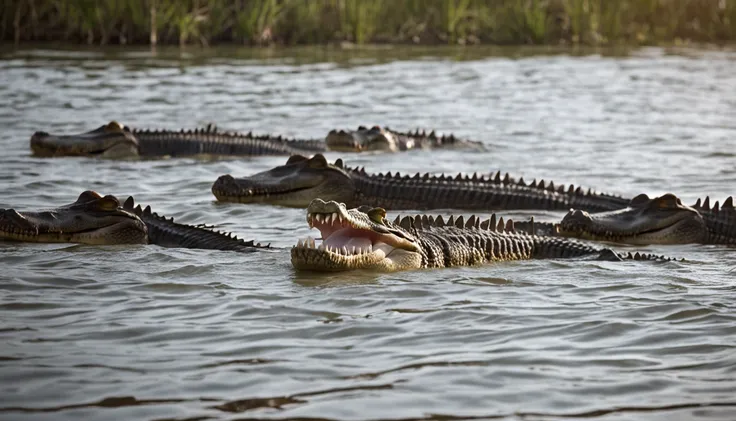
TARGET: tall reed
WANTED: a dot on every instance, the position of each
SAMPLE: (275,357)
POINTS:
(263,22)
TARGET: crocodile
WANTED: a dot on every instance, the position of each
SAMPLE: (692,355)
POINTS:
(113,140)
(102,220)
(658,220)
(384,139)
(362,238)
(302,179)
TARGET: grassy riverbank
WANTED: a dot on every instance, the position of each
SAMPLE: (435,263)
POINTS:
(290,22)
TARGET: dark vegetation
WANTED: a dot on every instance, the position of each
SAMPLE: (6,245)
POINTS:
(289,22)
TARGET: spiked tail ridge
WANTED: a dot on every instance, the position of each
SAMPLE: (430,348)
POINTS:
(167,233)
(719,219)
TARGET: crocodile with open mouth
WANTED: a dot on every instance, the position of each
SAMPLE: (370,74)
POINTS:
(659,220)
(362,238)
(102,220)
(302,179)
(114,140)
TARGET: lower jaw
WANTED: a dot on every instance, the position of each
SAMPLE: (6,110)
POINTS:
(303,258)
(311,259)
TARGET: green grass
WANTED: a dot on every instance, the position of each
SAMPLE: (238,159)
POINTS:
(290,22)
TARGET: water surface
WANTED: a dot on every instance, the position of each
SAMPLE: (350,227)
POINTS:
(142,332)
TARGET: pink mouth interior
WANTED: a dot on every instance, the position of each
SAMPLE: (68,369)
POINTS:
(338,235)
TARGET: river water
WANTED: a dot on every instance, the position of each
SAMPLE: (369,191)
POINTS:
(146,333)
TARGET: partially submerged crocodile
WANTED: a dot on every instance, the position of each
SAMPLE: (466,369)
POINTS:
(362,238)
(659,220)
(302,179)
(94,219)
(385,139)
(114,140)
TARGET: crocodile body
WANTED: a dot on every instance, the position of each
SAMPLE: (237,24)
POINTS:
(379,138)
(362,238)
(302,179)
(117,141)
(94,219)
(659,220)
(114,140)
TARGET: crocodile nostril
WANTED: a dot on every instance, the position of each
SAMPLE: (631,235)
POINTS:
(333,131)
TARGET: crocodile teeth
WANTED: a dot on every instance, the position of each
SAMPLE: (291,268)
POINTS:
(331,219)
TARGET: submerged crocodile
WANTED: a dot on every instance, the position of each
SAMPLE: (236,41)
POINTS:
(114,140)
(659,220)
(385,139)
(94,219)
(302,179)
(362,238)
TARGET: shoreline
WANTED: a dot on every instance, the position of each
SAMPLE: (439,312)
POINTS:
(258,23)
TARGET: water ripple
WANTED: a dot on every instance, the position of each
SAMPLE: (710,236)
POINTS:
(144,332)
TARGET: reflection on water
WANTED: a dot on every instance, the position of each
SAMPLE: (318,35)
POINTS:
(141,332)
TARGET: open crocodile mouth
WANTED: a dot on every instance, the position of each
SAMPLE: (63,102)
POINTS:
(348,243)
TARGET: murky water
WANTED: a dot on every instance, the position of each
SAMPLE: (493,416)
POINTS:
(141,332)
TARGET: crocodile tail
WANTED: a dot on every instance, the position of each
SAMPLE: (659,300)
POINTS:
(167,233)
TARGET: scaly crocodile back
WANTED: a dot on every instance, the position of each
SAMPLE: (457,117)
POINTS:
(720,220)
(210,140)
(457,242)
(167,233)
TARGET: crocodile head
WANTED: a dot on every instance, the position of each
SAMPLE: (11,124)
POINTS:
(363,139)
(92,219)
(294,184)
(660,220)
(109,141)
(359,238)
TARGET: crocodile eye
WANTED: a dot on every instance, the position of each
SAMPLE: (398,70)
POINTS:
(639,200)
(376,128)
(296,158)
(88,196)
(114,126)
(318,161)
(667,201)
(339,163)
(362,128)
(377,214)
(108,203)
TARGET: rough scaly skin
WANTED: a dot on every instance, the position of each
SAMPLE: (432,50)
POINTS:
(92,219)
(362,238)
(659,220)
(302,179)
(117,141)
(384,139)
(98,220)
(167,233)
(114,140)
